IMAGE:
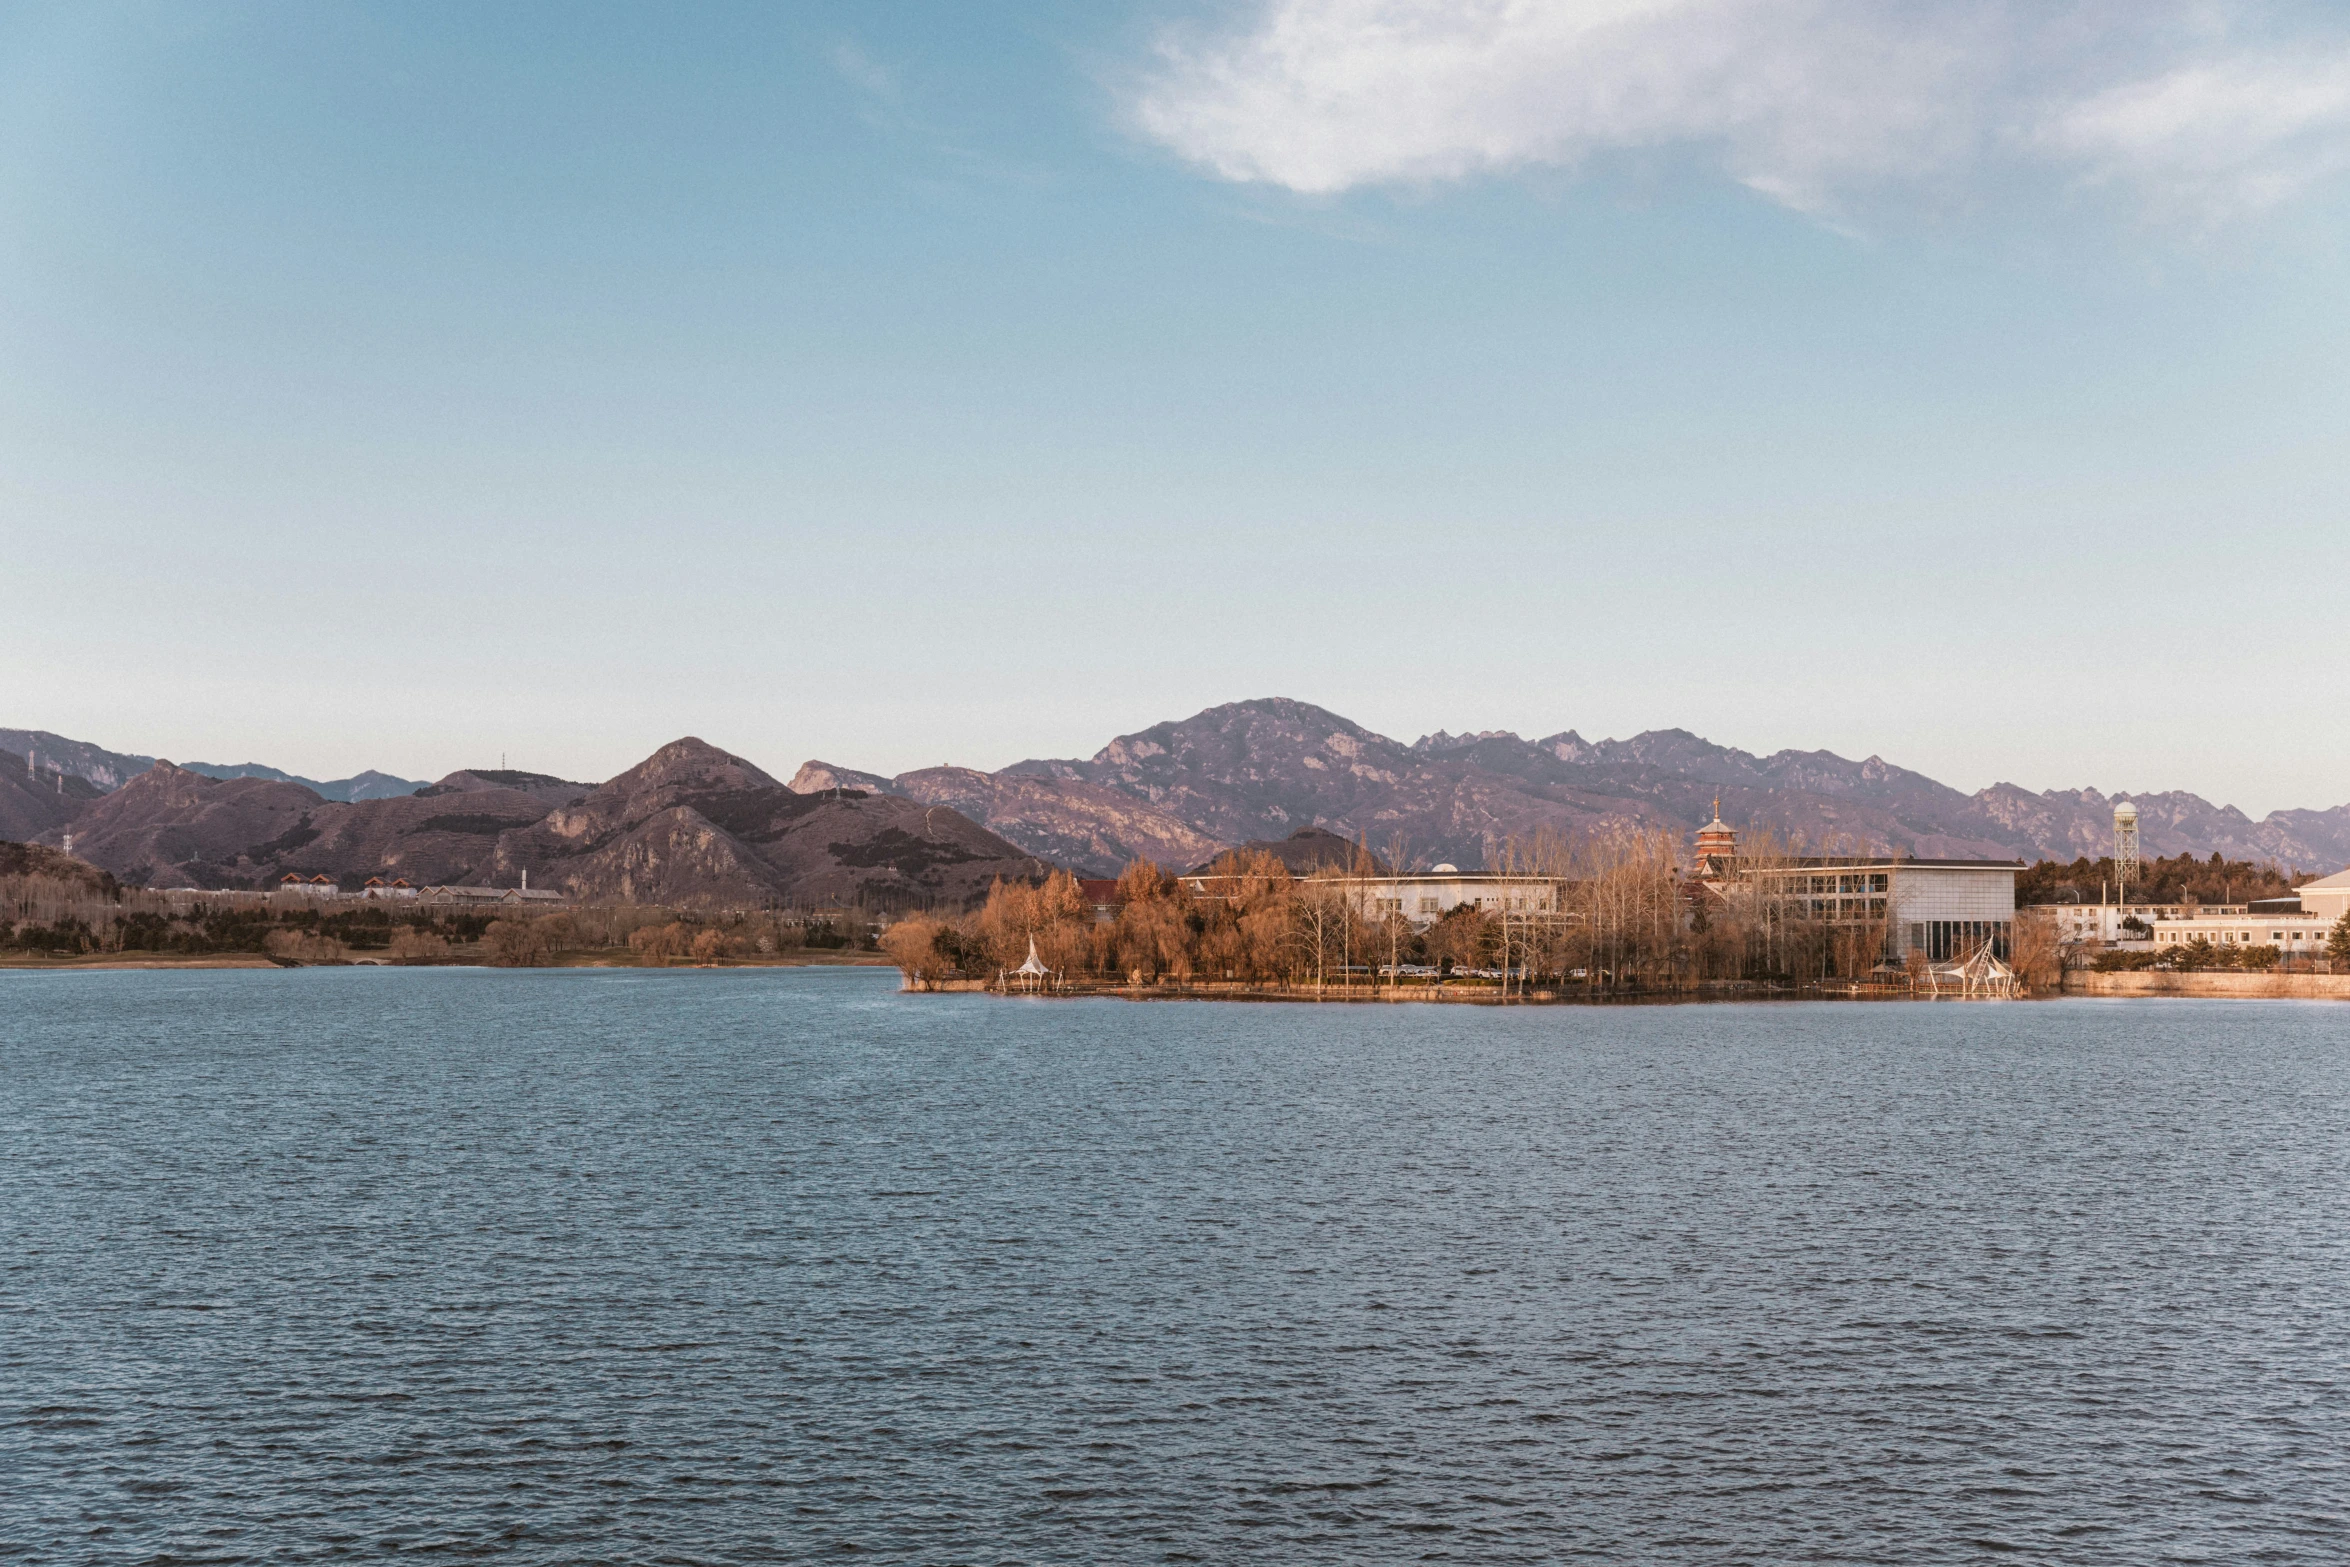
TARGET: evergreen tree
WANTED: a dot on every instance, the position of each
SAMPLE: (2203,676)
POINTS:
(2338,943)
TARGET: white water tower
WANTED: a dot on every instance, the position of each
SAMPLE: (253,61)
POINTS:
(2125,850)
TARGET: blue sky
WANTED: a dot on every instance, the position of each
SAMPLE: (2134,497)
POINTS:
(397,386)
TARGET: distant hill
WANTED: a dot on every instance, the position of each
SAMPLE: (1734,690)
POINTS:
(693,823)
(171,826)
(110,770)
(32,859)
(539,786)
(100,767)
(1307,851)
(690,825)
(36,798)
(1091,830)
(369,785)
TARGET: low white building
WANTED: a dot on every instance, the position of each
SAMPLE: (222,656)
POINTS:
(2080,924)
(2293,935)
(491,897)
(1424,897)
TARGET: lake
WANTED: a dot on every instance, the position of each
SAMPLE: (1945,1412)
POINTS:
(747,1266)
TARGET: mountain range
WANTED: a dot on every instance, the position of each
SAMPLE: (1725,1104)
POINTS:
(1262,769)
(690,825)
(693,823)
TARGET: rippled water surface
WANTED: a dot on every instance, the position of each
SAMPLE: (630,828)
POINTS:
(768,1266)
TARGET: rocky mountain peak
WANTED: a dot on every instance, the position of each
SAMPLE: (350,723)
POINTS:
(543,787)
(690,763)
(1263,727)
(1440,742)
(823,777)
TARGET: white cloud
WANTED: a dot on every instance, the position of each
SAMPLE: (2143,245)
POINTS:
(2245,132)
(1810,101)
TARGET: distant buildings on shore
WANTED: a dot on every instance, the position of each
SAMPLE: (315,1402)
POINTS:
(1941,910)
(2296,926)
(1424,897)
(325,889)
(1937,910)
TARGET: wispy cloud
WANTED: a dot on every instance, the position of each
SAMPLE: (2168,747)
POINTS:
(868,75)
(2211,138)
(1813,102)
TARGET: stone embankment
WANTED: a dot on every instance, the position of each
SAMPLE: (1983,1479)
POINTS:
(2156,982)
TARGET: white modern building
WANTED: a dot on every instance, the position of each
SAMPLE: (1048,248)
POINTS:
(1939,909)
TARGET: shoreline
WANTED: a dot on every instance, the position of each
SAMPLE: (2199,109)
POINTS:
(98,962)
(1436,995)
(2076,983)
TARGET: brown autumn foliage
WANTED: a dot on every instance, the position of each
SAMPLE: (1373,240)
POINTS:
(518,944)
(303,946)
(1054,915)
(410,945)
(913,945)
(672,940)
(2038,956)
(1156,933)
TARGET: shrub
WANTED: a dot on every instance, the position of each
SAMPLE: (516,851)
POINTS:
(410,945)
(914,945)
(660,942)
(517,944)
(305,947)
